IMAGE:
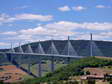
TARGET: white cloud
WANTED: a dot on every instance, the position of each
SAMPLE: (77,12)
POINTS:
(4,18)
(64,8)
(9,33)
(34,17)
(61,29)
(97,26)
(21,7)
(102,6)
(23,37)
(20,38)
(4,44)
(32,31)
(105,36)
(78,8)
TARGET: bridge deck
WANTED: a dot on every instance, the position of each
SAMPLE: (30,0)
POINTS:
(36,54)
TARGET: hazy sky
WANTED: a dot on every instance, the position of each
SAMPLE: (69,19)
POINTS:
(33,20)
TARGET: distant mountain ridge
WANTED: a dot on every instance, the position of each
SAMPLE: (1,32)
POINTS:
(82,47)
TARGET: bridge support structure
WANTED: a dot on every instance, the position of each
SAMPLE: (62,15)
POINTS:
(9,57)
(52,64)
(91,44)
(52,53)
(29,67)
(39,67)
(68,60)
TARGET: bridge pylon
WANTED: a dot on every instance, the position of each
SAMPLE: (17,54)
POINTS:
(69,49)
(29,49)
(52,49)
(20,48)
(40,49)
(12,50)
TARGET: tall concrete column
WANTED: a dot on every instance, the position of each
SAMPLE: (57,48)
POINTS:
(9,57)
(68,60)
(68,45)
(91,46)
(52,64)
(29,67)
(39,67)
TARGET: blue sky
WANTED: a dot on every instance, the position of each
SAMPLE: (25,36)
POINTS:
(33,20)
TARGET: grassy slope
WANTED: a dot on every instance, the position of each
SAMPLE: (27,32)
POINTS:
(74,68)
